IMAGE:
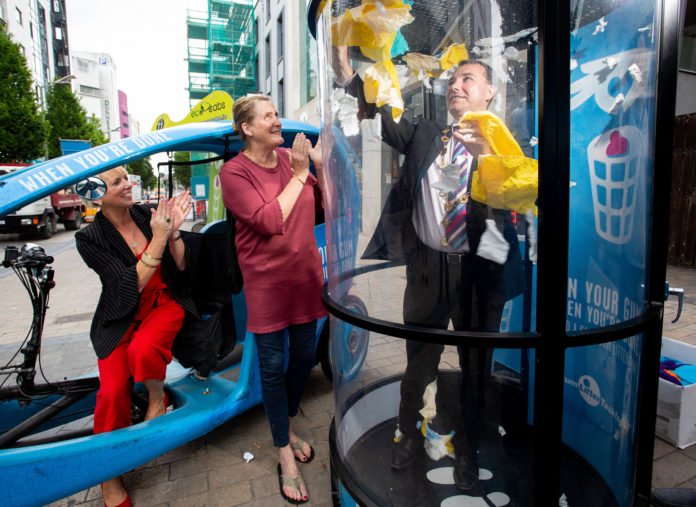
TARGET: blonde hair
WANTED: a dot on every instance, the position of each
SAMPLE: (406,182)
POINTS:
(103,177)
(119,167)
(244,110)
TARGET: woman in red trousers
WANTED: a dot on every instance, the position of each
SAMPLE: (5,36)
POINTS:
(138,254)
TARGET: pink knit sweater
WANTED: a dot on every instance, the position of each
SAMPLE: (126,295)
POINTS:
(280,262)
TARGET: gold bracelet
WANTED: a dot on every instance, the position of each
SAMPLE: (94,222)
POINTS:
(156,259)
(142,259)
(298,179)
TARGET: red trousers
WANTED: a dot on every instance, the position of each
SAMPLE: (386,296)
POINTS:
(142,354)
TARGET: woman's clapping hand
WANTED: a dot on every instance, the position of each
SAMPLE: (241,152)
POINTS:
(179,210)
(299,157)
(161,222)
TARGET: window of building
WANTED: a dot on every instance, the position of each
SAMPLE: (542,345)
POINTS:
(281,98)
(90,90)
(21,50)
(308,66)
(258,73)
(58,31)
(267,48)
(280,37)
(82,65)
(56,5)
(687,59)
(2,13)
(18,15)
(268,10)
(41,17)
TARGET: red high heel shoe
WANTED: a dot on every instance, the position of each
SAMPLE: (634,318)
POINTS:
(126,503)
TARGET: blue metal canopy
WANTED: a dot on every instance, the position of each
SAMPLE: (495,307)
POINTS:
(22,187)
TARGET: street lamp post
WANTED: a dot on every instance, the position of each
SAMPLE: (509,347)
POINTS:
(160,177)
(60,81)
(64,79)
(117,129)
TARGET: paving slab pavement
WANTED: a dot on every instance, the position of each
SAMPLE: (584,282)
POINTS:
(210,471)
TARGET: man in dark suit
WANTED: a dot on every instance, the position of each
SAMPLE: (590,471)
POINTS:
(446,279)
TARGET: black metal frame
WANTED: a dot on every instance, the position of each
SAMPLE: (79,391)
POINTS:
(37,278)
(659,233)
(171,163)
(551,340)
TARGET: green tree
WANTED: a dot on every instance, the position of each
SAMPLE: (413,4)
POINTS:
(22,128)
(143,168)
(182,173)
(67,119)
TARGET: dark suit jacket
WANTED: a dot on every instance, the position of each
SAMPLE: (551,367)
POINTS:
(395,237)
(105,251)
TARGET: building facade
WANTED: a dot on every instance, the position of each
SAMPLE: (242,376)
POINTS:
(40,28)
(286,58)
(124,124)
(95,86)
(220,49)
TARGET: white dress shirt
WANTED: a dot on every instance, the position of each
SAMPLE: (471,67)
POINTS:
(429,211)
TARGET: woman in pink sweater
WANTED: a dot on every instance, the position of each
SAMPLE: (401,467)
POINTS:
(274,197)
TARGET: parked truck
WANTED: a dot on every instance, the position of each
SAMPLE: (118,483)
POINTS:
(43,216)
(137,190)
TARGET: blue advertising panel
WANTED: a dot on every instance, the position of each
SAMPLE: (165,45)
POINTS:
(68,146)
(613,67)
(343,208)
(199,187)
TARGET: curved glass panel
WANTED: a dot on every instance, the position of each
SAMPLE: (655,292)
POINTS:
(430,196)
(430,134)
(614,53)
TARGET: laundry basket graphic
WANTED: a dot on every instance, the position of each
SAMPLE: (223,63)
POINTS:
(613,162)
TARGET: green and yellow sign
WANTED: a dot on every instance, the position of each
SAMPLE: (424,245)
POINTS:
(217,106)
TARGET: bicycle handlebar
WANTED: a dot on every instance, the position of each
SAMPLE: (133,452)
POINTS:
(29,255)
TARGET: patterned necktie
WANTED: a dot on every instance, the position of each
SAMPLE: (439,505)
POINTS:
(455,207)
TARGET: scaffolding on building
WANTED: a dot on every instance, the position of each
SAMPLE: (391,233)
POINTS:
(221,49)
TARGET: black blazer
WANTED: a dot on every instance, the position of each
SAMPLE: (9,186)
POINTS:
(395,237)
(105,251)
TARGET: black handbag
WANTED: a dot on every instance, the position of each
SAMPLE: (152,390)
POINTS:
(215,276)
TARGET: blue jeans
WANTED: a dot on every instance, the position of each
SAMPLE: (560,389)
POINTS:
(282,390)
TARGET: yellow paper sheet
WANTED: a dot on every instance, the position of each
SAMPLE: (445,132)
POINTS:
(382,87)
(453,55)
(508,179)
(371,25)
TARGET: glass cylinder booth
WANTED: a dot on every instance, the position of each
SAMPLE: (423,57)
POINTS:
(495,262)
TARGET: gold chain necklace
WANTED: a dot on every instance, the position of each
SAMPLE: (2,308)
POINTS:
(445,138)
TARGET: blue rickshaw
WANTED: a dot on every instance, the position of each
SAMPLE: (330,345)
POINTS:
(57,467)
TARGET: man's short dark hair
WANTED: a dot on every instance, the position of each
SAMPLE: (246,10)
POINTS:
(488,72)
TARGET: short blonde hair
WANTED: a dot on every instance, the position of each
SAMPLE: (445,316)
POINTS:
(103,177)
(244,110)
(119,167)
